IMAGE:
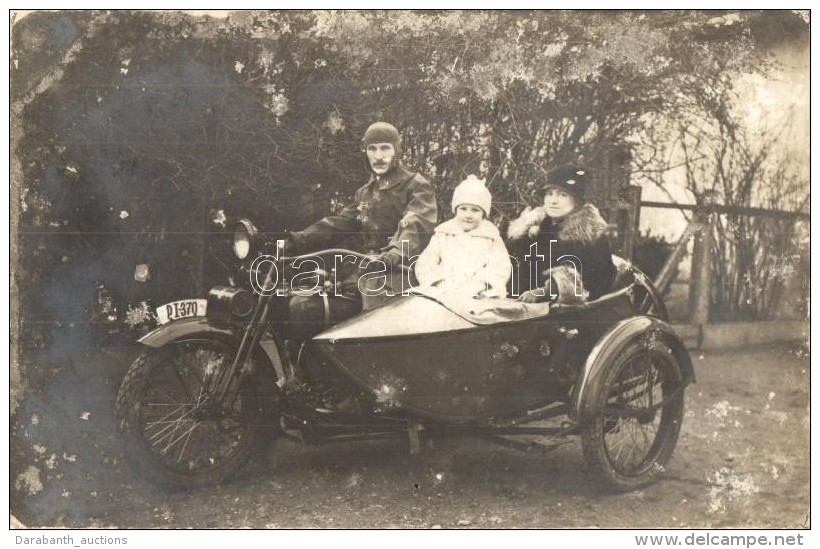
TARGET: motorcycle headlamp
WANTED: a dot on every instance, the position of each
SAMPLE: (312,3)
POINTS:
(244,238)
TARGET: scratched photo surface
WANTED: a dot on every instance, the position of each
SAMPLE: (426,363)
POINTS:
(139,139)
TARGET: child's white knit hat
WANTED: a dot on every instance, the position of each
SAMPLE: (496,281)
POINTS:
(473,191)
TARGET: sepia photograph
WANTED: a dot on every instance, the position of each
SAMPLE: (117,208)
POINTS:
(409,269)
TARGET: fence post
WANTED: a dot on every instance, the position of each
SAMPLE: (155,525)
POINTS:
(700,289)
(629,219)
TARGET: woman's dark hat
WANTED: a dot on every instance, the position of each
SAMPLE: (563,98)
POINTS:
(572,179)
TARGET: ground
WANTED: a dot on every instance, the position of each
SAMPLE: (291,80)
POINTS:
(742,462)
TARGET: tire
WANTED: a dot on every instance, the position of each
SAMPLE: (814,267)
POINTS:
(645,298)
(626,444)
(176,434)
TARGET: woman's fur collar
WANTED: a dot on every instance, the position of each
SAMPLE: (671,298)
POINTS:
(584,224)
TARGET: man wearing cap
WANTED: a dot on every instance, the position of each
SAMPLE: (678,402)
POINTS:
(394,213)
(561,247)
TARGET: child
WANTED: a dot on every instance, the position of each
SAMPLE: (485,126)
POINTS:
(577,265)
(466,254)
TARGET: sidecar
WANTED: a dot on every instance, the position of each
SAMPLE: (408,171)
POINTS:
(209,394)
(614,367)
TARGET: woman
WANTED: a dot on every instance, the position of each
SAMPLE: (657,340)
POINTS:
(561,247)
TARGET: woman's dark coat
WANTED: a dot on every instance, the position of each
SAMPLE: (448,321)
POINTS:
(579,262)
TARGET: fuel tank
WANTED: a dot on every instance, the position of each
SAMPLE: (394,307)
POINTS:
(416,354)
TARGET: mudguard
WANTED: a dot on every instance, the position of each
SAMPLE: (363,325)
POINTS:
(181,329)
(612,343)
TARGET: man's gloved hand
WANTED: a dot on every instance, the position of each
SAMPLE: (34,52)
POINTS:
(389,259)
(375,263)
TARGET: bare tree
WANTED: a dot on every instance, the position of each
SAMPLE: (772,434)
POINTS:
(741,168)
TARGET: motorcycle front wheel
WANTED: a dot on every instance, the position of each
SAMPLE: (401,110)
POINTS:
(639,407)
(178,431)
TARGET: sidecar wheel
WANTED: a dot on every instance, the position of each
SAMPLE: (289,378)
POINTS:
(639,407)
(176,432)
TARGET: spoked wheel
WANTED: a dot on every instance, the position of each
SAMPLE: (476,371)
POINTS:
(178,429)
(639,411)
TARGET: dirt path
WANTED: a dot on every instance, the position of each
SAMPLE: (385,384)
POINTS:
(742,461)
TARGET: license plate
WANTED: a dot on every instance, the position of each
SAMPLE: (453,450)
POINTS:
(185,308)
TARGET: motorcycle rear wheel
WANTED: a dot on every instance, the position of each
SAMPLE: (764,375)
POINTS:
(177,433)
(631,438)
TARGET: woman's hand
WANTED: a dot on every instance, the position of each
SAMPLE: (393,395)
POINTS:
(530,296)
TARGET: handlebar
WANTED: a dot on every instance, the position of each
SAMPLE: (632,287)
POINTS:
(330,251)
(336,251)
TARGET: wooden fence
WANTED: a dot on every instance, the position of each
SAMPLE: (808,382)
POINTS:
(701,228)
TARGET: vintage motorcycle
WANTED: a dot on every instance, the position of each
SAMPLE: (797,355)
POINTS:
(223,378)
